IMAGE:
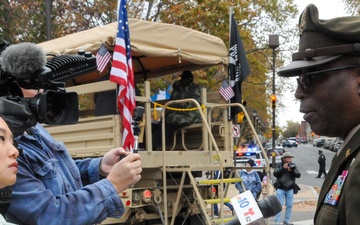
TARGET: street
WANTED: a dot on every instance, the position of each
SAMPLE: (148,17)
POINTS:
(305,157)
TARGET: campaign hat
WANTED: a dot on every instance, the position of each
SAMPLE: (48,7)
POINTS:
(322,41)
(287,155)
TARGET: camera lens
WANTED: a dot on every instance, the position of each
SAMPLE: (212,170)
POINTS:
(55,107)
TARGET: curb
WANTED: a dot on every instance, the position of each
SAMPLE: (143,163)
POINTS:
(307,195)
(314,192)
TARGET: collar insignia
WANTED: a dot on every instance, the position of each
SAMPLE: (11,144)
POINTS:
(347,152)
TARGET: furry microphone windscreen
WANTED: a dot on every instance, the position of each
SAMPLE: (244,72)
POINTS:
(22,60)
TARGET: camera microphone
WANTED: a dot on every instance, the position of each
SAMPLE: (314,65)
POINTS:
(22,60)
(269,206)
(24,65)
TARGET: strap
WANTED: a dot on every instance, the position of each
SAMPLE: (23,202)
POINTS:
(334,50)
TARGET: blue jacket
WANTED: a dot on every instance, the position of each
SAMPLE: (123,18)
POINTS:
(251,181)
(52,188)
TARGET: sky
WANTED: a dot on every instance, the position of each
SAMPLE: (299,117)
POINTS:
(327,9)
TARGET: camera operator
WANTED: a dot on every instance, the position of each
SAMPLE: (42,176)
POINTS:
(52,188)
(285,173)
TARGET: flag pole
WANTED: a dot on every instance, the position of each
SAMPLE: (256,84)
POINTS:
(229,79)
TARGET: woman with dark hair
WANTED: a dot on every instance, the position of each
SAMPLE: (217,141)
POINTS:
(8,168)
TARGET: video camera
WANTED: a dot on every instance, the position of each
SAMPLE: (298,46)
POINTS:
(25,66)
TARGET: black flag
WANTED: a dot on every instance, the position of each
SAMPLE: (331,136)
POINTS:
(238,65)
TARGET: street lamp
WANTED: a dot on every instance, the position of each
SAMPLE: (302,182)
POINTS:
(254,116)
(273,44)
(48,19)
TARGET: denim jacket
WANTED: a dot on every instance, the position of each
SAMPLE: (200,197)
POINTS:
(52,188)
(251,181)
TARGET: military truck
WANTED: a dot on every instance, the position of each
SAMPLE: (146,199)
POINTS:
(173,188)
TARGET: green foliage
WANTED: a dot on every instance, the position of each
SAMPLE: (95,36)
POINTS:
(25,20)
(291,129)
(352,7)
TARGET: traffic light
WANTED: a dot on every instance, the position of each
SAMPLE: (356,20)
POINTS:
(240,117)
(273,100)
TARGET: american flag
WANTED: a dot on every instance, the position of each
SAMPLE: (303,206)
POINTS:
(226,91)
(122,73)
(103,57)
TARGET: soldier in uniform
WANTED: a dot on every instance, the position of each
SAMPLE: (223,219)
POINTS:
(322,164)
(328,69)
(184,88)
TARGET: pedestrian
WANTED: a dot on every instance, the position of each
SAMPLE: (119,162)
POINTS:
(250,179)
(8,168)
(217,175)
(52,188)
(286,172)
(328,69)
(322,164)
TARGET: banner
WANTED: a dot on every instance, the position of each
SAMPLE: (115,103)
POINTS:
(239,68)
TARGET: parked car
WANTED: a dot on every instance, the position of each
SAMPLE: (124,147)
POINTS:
(268,146)
(319,143)
(332,145)
(338,145)
(279,151)
(328,143)
(294,139)
(290,144)
(303,140)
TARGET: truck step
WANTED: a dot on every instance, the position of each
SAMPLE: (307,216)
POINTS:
(217,181)
(215,200)
(218,221)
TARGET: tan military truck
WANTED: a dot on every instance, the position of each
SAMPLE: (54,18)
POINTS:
(173,188)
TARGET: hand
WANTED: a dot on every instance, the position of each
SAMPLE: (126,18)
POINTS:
(126,172)
(286,166)
(110,159)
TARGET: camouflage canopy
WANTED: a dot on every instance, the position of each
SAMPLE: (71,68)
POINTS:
(158,49)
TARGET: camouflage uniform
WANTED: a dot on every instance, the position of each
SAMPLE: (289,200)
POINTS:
(184,88)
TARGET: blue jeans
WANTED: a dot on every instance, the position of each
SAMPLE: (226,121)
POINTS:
(288,196)
(216,208)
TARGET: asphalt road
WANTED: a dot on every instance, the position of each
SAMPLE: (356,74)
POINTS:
(305,157)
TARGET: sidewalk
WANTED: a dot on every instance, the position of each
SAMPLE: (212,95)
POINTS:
(307,193)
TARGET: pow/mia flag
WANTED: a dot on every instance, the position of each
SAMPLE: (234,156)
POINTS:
(238,65)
